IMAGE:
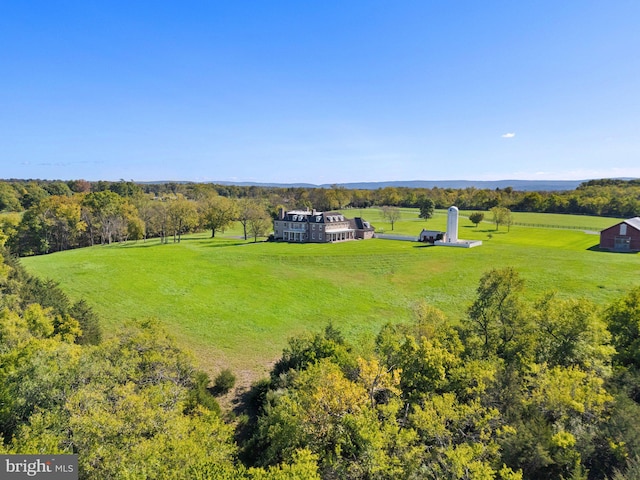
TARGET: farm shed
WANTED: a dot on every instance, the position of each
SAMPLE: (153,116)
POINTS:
(431,236)
(622,237)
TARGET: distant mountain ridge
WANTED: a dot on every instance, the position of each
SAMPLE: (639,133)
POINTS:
(522,185)
(526,185)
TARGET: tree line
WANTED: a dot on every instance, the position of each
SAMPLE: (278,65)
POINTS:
(45,216)
(518,389)
(608,197)
(62,221)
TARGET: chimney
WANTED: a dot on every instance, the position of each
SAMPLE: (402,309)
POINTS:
(281,213)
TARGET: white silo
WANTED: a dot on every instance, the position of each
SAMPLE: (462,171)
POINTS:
(452,225)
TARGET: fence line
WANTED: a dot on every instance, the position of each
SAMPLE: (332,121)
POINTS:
(386,236)
(562,227)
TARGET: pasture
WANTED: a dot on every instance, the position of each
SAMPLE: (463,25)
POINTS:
(235,303)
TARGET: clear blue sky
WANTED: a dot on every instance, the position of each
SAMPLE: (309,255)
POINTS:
(319,91)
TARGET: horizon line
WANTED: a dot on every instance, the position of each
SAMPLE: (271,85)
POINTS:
(236,181)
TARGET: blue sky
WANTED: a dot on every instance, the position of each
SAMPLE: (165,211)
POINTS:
(319,92)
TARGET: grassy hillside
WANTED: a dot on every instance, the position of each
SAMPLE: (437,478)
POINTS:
(235,303)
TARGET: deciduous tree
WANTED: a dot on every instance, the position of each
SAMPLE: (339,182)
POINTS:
(571,333)
(392,214)
(476,218)
(107,216)
(427,206)
(158,219)
(498,316)
(9,201)
(182,216)
(259,223)
(623,319)
(501,216)
(217,213)
(253,217)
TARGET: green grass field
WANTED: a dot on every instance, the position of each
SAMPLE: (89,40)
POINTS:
(235,303)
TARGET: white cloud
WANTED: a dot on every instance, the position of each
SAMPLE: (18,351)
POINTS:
(509,135)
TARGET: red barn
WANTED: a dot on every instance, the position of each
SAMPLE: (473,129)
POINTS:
(623,237)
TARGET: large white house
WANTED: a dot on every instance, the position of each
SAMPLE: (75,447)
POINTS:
(306,226)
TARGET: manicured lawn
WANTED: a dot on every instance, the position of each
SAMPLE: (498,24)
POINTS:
(235,303)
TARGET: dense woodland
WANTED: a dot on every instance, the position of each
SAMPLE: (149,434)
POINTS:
(544,389)
(46,216)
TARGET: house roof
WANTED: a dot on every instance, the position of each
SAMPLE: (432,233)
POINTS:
(327,218)
(361,224)
(633,222)
(297,216)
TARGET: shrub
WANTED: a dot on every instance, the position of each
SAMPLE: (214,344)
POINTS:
(224,382)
